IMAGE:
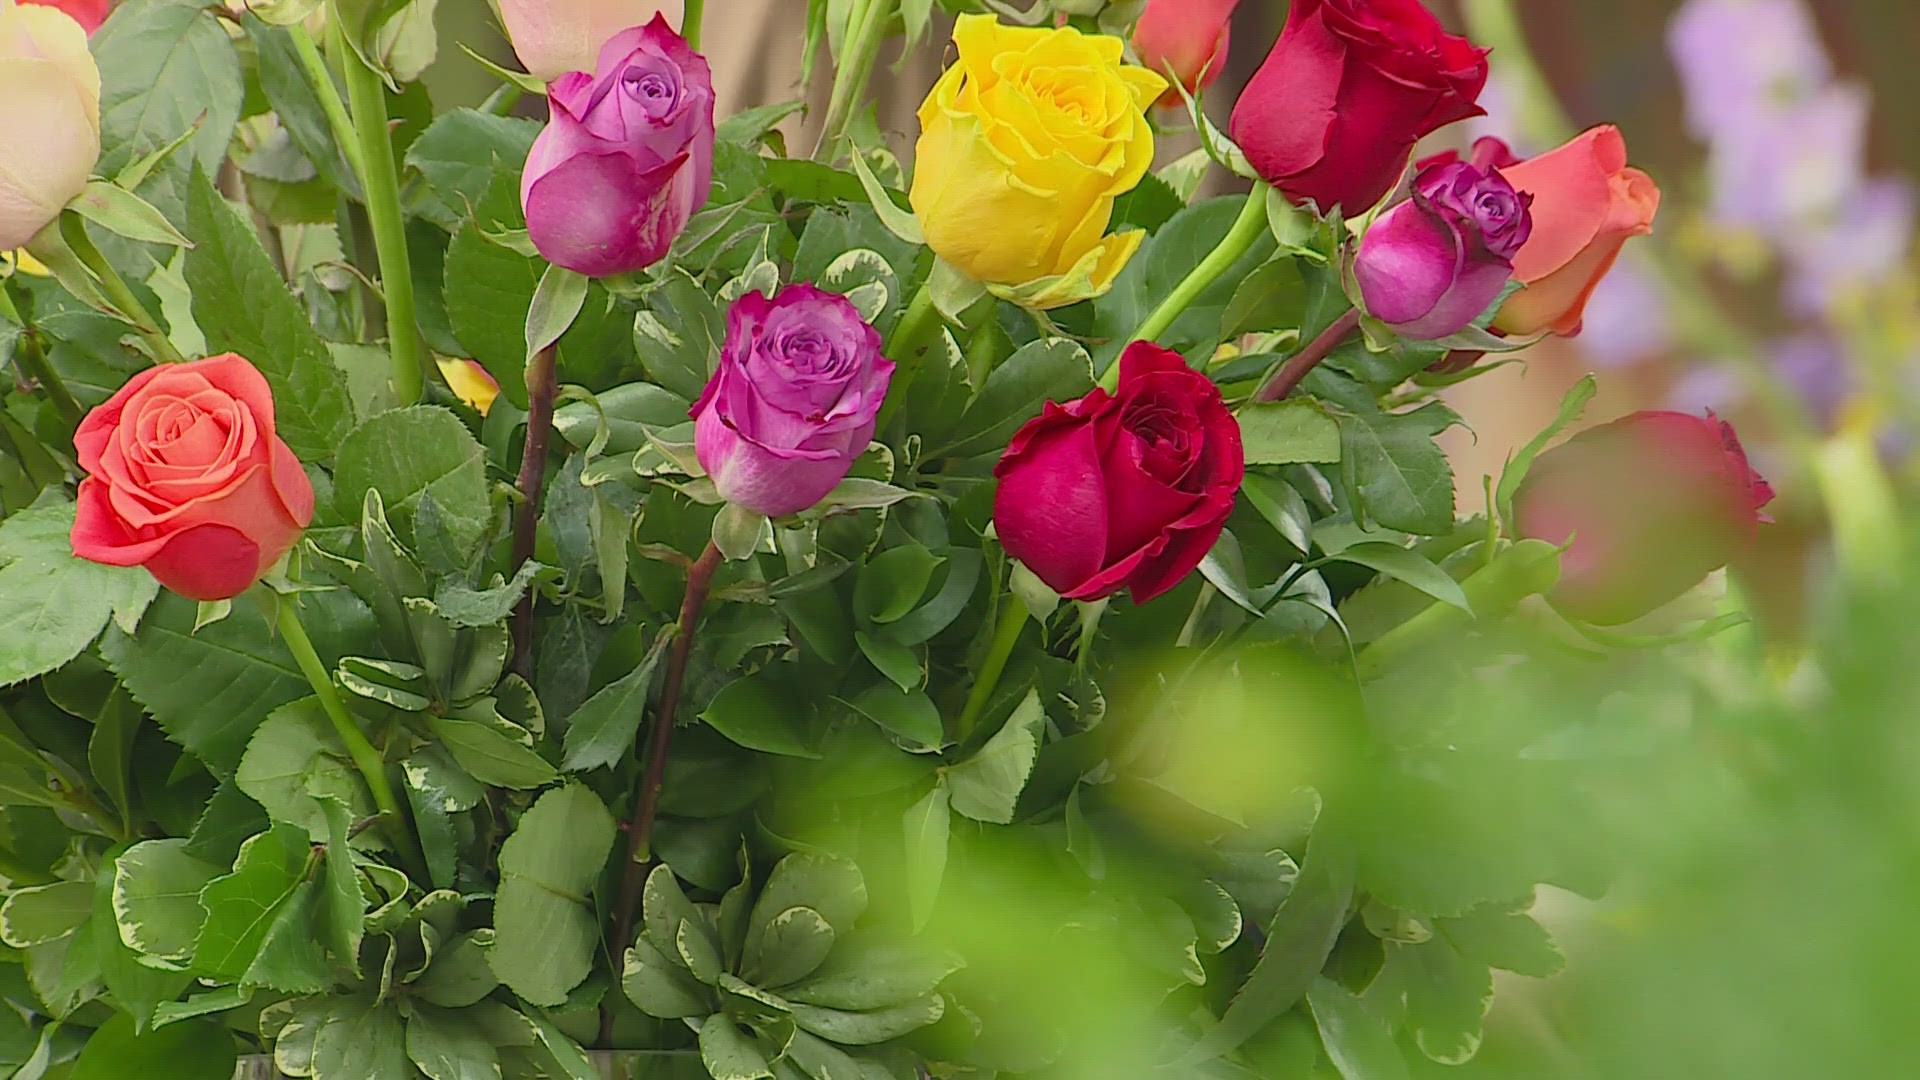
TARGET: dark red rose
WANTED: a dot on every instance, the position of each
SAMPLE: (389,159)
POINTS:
(1654,503)
(1332,116)
(1122,491)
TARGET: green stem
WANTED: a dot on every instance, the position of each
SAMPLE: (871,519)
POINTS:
(1248,228)
(866,29)
(904,346)
(33,361)
(320,81)
(1091,612)
(1529,568)
(1191,628)
(73,228)
(365,758)
(690,23)
(1013,619)
(381,183)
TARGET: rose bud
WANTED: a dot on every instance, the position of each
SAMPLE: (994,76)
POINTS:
(187,477)
(627,157)
(471,383)
(1190,38)
(50,96)
(553,37)
(1587,203)
(1025,143)
(794,402)
(1332,116)
(1653,503)
(1122,491)
(1430,266)
(88,13)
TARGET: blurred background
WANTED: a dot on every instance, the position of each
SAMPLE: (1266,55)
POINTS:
(1755,793)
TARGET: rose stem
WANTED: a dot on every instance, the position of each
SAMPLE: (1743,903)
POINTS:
(1249,227)
(647,800)
(541,388)
(366,95)
(866,23)
(33,361)
(73,228)
(1013,619)
(690,23)
(320,81)
(368,760)
(903,347)
(1307,359)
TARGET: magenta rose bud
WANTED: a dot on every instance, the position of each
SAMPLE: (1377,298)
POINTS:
(1653,503)
(627,157)
(1122,491)
(799,388)
(1433,264)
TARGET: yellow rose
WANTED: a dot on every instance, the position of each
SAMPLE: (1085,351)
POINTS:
(1024,145)
(50,97)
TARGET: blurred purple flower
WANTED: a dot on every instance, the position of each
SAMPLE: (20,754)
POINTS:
(1740,59)
(1627,317)
(1867,239)
(1794,167)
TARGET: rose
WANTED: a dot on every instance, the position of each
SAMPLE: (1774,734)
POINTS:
(1188,37)
(50,96)
(794,402)
(471,383)
(553,37)
(1128,491)
(1431,265)
(1587,203)
(627,157)
(1025,143)
(186,476)
(1332,116)
(1653,504)
(88,13)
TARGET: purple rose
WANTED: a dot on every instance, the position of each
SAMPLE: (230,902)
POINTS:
(1434,263)
(800,385)
(627,157)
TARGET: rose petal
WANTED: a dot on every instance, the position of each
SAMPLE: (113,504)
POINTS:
(207,562)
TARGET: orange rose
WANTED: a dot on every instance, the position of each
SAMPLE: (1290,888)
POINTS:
(1587,203)
(187,477)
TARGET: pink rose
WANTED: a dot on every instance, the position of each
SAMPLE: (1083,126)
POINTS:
(187,477)
(1431,265)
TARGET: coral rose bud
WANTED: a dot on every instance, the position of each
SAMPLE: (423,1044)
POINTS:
(1431,265)
(1190,38)
(1653,504)
(794,402)
(627,157)
(553,37)
(1587,203)
(1025,143)
(1122,491)
(1332,116)
(187,477)
(50,96)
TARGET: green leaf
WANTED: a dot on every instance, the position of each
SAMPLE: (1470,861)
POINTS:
(447,1046)
(1506,937)
(601,732)
(1283,507)
(1051,369)
(987,786)
(126,214)
(242,305)
(490,754)
(831,886)
(343,906)
(795,943)
(1288,432)
(156,898)
(139,988)
(869,970)
(295,763)
(462,150)
(909,716)
(165,67)
(57,603)
(1273,297)
(892,582)
(900,222)
(661,987)
(1445,995)
(1402,478)
(42,913)
(1572,407)
(556,303)
(1359,1043)
(678,335)
(868,1028)
(1410,567)
(199,1048)
(258,929)
(470,608)
(207,1004)
(459,975)
(544,917)
(406,453)
(755,713)
(1160,265)
(359,1039)
(927,824)
(731,1054)
(489,288)
(737,531)
(207,690)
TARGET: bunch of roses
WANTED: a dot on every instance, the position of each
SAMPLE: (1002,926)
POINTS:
(1026,143)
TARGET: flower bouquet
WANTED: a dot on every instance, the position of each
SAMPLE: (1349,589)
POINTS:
(479,594)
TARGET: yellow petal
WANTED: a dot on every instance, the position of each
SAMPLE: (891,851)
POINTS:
(470,383)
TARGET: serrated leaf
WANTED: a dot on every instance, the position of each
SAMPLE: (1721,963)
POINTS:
(1359,1043)
(447,1046)
(407,452)
(1506,937)
(471,608)
(460,152)
(1402,478)
(1572,407)
(56,603)
(167,70)
(754,713)
(267,896)
(294,761)
(1288,432)
(1408,566)
(359,1038)
(1051,369)
(343,906)
(602,730)
(156,898)
(909,716)
(544,918)
(1445,995)
(987,786)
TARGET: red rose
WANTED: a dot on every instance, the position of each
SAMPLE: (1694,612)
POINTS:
(88,13)
(1122,491)
(1332,116)
(187,477)
(1654,503)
